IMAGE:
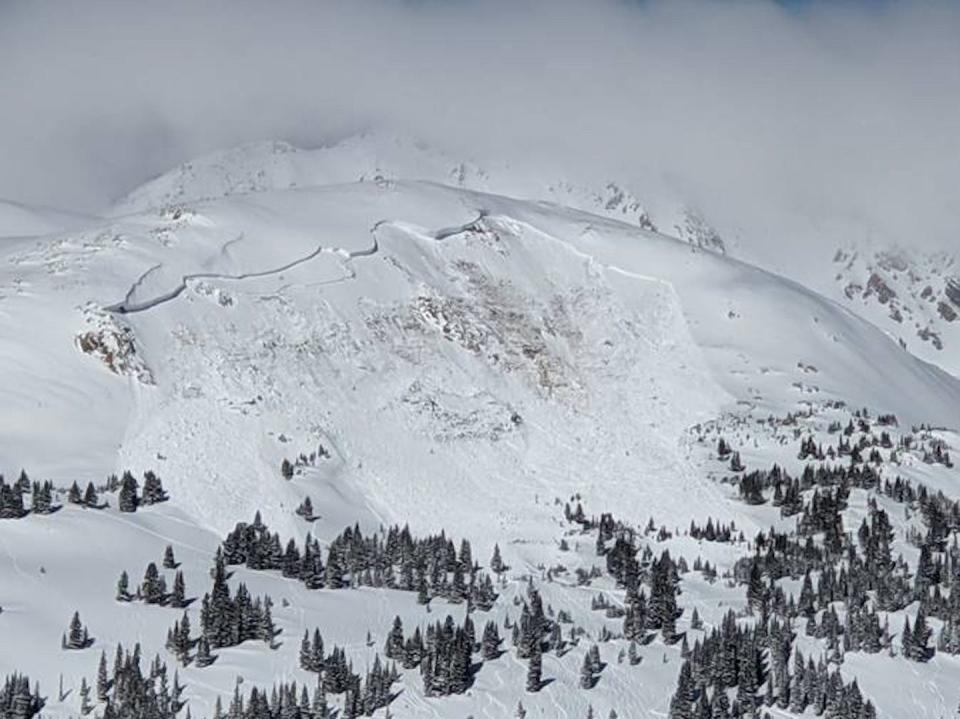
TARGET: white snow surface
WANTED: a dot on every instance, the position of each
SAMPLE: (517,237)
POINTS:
(465,358)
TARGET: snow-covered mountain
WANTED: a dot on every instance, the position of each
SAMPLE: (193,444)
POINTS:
(914,296)
(454,349)
(372,157)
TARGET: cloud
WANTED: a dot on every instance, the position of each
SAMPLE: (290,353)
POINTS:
(843,114)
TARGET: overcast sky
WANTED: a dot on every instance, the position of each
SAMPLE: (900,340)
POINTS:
(755,110)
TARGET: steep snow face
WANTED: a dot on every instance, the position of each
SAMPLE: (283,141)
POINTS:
(454,353)
(446,363)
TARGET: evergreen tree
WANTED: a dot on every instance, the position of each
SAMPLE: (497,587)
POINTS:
(76,636)
(534,670)
(305,509)
(103,679)
(320,708)
(85,706)
(490,644)
(496,561)
(920,651)
(152,588)
(906,639)
(128,500)
(178,598)
(203,657)
(153,492)
(123,587)
(393,648)
(587,678)
(90,498)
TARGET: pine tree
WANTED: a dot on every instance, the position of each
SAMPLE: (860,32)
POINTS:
(756,590)
(695,621)
(736,465)
(680,702)
(169,561)
(423,596)
(85,706)
(490,644)
(496,561)
(203,657)
(127,501)
(305,509)
(152,588)
(90,498)
(178,638)
(266,629)
(466,557)
(103,679)
(320,708)
(393,648)
(334,574)
(317,651)
(920,638)
(123,587)
(906,639)
(76,636)
(723,449)
(534,669)
(587,678)
(306,654)
(178,598)
(11,501)
(153,492)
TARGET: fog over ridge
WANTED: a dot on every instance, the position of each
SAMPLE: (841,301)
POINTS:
(840,113)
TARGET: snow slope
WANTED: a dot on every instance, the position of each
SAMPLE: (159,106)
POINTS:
(353,326)
(464,359)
